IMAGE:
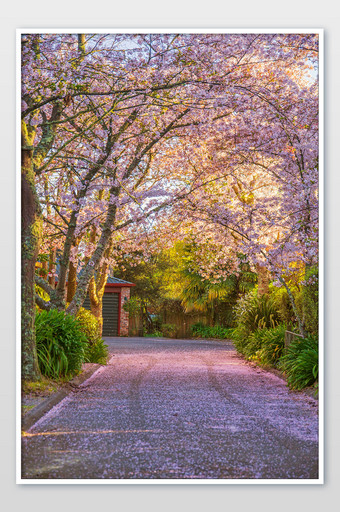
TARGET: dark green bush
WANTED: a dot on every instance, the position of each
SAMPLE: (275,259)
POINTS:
(253,312)
(205,331)
(155,334)
(300,363)
(307,300)
(60,343)
(269,345)
(282,304)
(169,330)
(96,352)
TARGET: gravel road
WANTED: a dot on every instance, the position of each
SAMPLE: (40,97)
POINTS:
(176,409)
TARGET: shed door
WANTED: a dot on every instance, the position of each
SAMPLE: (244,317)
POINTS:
(110,313)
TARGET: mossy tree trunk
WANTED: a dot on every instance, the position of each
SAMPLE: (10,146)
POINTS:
(31,233)
(31,228)
(96,302)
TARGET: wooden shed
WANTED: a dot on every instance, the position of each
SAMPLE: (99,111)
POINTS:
(115,319)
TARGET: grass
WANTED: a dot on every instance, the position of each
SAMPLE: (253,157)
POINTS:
(27,408)
(43,387)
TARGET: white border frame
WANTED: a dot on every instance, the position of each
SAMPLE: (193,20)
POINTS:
(318,481)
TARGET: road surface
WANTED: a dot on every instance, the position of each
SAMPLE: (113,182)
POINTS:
(176,409)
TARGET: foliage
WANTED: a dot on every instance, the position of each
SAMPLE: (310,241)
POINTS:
(41,293)
(155,334)
(264,342)
(303,285)
(60,344)
(300,363)
(169,330)
(258,334)
(205,331)
(132,306)
(282,304)
(308,300)
(271,343)
(89,325)
(95,350)
(188,279)
(253,312)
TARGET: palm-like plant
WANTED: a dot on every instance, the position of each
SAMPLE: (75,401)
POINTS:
(203,294)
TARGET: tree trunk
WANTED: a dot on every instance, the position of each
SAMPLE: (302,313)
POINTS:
(31,229)
(71,281)
(44,269)
(92,265)
(97,287)
(51,267)
(81,45)
(96,303)
(263,277)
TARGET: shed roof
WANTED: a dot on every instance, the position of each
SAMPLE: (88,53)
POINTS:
(118,282)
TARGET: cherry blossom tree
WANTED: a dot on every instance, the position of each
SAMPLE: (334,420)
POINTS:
(263,196)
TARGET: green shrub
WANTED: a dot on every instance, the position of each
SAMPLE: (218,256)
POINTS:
(205,331)
(253,312)
(132,306)
(198,329)
(272,345)
(155,334)
(89,325)
(264,346)
(282,304)
(307,300)
(239,336)
(300,363)
(253,343)
(169,330)
(60,343)
(95,350)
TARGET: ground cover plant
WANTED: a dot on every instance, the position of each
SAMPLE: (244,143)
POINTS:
(300,363)
(168,330)
(260,330)
(201,330)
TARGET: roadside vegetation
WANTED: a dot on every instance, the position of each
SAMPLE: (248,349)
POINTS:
(260,326)
(65,342)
